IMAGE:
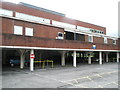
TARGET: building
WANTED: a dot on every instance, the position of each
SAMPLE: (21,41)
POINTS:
(28,30)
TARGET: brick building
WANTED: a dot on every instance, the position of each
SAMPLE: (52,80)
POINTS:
(29,30)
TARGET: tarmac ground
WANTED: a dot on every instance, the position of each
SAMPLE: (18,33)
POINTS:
(83,76)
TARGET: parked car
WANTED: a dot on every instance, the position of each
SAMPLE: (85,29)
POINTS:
(16,61)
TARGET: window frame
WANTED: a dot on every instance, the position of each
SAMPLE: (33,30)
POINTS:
(59,37)
(114,42)
(91,38)
(17,30)
(29,32)
(105,40)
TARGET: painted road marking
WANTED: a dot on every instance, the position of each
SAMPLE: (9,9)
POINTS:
(86,77)
(91,76)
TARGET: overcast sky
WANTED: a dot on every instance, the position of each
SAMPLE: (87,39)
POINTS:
(99,12)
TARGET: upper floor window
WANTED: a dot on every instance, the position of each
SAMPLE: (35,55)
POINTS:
(105,40)
(90,38)
(114,42)
(60,35)
(29,31)
(18,30)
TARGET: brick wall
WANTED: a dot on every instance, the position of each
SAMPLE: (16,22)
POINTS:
(34,12)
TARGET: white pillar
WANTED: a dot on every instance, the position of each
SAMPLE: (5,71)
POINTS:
(74,58)
(22,59)
(32,61)
(107,57)
(100,57)
(63,58)
(118,55)
(89,58)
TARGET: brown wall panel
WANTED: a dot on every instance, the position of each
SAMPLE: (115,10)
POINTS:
(7,25)
(15,40)
(98,40)
(110,41)
(86,38)
(22,9)
(46,31)
(39,30)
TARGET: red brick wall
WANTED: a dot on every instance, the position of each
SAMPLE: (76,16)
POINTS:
(98,40)
(23,9)
(46,31)
(110,41)
(7,25)
(15,40)
(39,30)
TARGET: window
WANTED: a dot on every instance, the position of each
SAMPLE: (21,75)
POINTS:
(114,42)
(105,40)
(29,31)
(90,38)
(18,30)
(60,35)
(84,29)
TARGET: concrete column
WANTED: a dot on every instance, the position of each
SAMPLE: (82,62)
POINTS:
(118,55)
(63,58)
(89,58)
(100,57)
(107,57)
(22,58)
(74,58)
(32,61)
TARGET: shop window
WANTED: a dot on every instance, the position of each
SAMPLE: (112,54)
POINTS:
(18,30)
(90,38)
(29,31)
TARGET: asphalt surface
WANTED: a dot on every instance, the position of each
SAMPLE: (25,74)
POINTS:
(83,76)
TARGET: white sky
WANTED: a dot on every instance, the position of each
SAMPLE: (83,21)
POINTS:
(99,12)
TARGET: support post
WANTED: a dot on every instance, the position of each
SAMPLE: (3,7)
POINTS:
(89,58)
(32,61)
(100,57)
(22,58)
(107,60)
(63,58)
(118,56)
(74,58)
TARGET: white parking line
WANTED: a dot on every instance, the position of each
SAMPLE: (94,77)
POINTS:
(99,75)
